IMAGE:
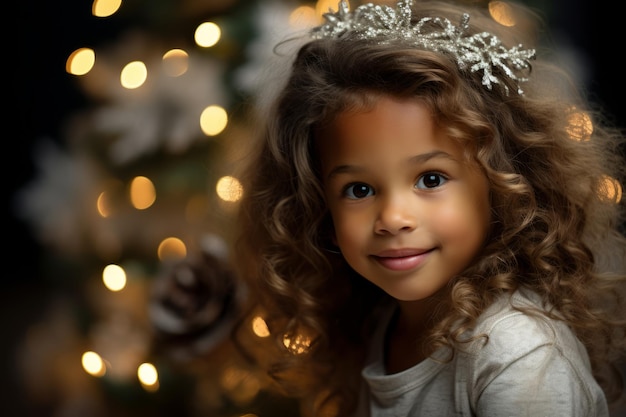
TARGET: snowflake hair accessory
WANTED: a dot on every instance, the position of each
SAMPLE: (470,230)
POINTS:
(479,52)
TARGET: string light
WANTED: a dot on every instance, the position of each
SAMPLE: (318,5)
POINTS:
(229,189)
(134,75)
(207,34)
(114,277)
(105,8)
(81,61)
(142,193)
(93,364)
(172,248)
(213,120)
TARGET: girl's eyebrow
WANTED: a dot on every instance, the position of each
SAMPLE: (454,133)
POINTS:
(417,159)
(421,158)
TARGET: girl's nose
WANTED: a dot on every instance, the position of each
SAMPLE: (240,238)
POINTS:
(396,214)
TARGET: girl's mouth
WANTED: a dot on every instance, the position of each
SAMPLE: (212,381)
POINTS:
(402,260)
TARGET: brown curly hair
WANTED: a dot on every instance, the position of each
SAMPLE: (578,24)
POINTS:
(554,230)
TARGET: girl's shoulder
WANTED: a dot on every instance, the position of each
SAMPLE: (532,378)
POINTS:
(515,325)
(526,354)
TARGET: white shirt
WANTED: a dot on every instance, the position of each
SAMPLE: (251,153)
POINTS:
(529,367)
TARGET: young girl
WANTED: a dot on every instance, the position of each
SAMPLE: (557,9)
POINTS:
(430,228)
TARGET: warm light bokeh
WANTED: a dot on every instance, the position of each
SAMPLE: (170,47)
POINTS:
(259,327)
(213,120)
(297,344)
(114,277)
(81,61)
(147,374)
(134,75)
(502,13)
(580,126)
(142,193)
(172,248)
(175,62)
(229,189)
(303,16)
(207,34)
(105,8)
(611,189)
(93,364)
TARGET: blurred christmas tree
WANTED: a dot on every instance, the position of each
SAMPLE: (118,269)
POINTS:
(133,207)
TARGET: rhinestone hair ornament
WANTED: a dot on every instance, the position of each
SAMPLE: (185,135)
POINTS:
(479,52)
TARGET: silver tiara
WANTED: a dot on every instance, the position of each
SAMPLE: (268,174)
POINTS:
(479,52)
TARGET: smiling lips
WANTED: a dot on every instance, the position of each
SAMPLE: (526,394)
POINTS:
(401,259)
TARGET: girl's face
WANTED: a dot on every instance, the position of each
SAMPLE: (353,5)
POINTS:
(409,212)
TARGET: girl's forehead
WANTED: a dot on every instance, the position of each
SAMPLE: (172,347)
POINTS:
(397,129)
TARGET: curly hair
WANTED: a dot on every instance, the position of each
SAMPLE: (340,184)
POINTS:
(555,229)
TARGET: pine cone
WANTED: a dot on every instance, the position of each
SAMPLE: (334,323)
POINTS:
(193,304)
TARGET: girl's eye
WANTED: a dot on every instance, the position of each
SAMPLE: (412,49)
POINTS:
(358,190)
(431,180)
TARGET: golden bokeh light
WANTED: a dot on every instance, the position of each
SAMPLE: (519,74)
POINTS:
(102,205)
(81,61)
(213,120)
(229,189)
(107,199)
(142,193)
(147,374)
(175,62)
(105,8)
(297,344)
(207,34)
(134,75)
(580,126)
(303,16)
(259,327)
(93,364)
(502,12)
(610,189)
(114,277)
(172,248)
